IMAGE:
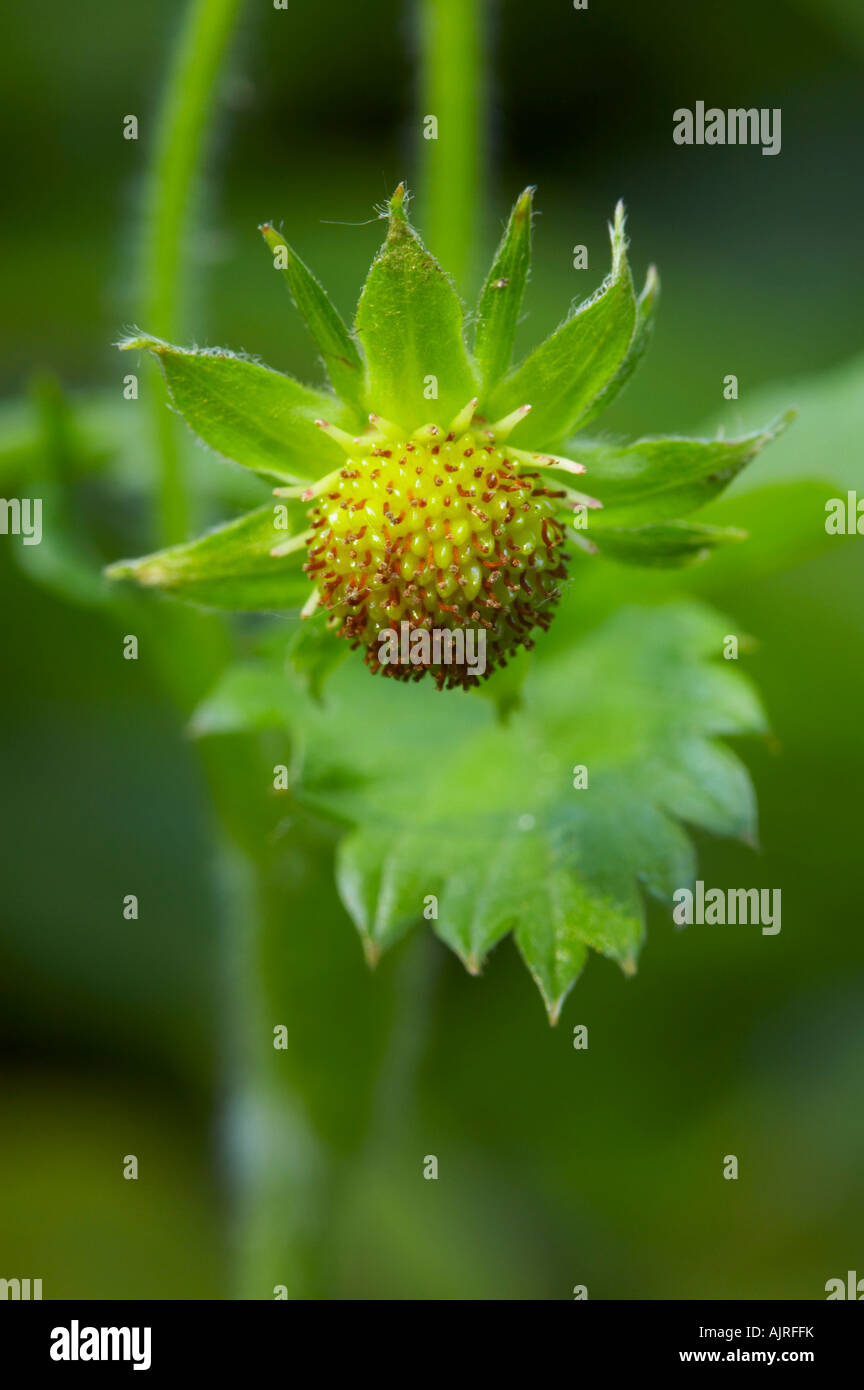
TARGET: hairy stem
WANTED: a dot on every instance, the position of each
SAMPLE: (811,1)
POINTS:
(180,136)
(451,85)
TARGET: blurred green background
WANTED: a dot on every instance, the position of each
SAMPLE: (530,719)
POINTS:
(557,1167)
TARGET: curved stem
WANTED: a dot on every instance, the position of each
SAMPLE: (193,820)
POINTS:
(451,81)
(274,1159)
(183,121)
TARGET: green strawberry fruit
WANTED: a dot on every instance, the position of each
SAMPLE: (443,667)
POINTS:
(436,530)
(427,511)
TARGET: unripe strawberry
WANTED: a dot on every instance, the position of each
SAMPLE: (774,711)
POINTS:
(434,544)
(439,530)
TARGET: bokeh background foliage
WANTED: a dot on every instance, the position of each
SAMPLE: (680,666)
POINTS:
(557,1167)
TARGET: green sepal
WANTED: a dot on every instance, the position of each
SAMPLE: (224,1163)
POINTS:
(664,544)
(329,332)
(660,479)
(231,567)
(501,296)
(646,310)
(259,418)
(562,377)
(409,322)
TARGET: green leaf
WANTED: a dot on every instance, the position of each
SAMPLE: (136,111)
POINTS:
(665,478)
(563,376)
(259,418)
(552,899)
(314,652)
(501,297)
(332,339)
(448,804)
(409,321)
(231,567)
(505,691)
(664,543)
(646,310)
(249,696)
(825,443)
(785,528)
(382,875)
(64,561)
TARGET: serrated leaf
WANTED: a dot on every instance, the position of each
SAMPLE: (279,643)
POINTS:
(646,310)
(501,296)
(660,479)
(409,321)
(329,332)
(562,377)
(550,932)
(257,417)
(478,826)
(231,567)
(663,544)
(381,879)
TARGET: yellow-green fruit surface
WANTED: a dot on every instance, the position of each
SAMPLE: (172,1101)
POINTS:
(439,535)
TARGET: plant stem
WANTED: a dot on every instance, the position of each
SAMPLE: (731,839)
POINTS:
(183,121)
(395,1108)
(274,1159)
(451,85)
(277,1165)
